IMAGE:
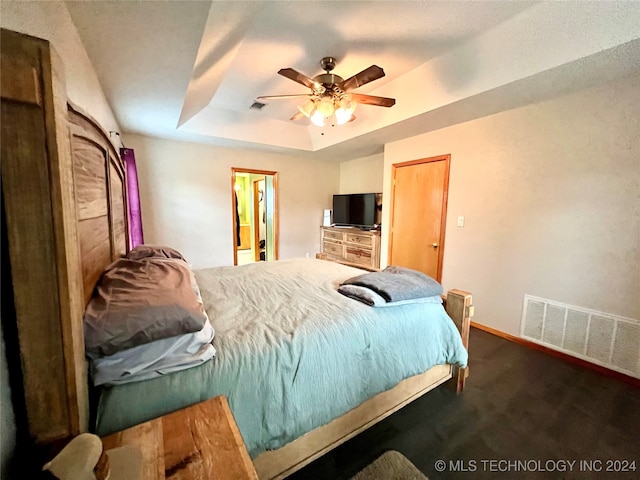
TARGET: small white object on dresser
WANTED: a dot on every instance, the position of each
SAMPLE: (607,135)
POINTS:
(326,220)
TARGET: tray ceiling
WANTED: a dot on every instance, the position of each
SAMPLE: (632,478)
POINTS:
(191,70)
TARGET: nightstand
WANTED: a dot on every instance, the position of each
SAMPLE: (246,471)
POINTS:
(198,442)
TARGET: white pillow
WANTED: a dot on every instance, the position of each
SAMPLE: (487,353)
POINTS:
(155,358)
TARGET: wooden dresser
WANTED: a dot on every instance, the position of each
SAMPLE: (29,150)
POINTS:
(198,442)
(352,246)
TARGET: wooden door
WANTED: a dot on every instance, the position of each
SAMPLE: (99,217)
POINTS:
(418,214)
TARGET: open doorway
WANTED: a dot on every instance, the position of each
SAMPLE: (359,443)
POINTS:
(255,215)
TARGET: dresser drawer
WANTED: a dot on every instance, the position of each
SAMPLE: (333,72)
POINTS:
(351,246)
(329,234)
(357,255)
(333,249)
(366,240)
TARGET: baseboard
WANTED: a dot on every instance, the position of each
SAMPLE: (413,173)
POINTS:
(568,358)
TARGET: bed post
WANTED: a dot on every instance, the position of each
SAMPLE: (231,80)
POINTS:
(459,306)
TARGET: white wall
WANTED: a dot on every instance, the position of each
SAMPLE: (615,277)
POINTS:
(362,175)
(51,21)
(186,201)
(550,193)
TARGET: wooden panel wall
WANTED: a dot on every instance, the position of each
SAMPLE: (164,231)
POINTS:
(119,212)
(41,232)
(65,206)
(100,199)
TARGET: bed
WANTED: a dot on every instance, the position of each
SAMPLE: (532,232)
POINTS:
(83,200)
(292,353)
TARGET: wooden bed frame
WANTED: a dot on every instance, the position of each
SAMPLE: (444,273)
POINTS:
(65,206)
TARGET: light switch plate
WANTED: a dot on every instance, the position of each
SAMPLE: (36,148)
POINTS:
(461,221)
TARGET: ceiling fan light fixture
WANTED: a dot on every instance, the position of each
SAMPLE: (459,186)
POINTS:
(342,116)
(345,110)
(307,108)
(325,106)
(329,97)
(317,119)
(347,103)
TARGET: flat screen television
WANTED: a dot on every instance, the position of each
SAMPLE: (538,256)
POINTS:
(354,210)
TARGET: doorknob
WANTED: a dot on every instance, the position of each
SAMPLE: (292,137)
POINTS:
(434,245)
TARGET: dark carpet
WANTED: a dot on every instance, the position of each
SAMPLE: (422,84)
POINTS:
(524,415)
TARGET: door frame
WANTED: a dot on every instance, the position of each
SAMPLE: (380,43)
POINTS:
(256,215)
(443,213)
(234,224)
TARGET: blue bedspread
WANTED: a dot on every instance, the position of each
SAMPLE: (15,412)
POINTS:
(292,353)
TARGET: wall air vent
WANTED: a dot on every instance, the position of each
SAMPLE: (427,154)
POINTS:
(601,338)
(257,105)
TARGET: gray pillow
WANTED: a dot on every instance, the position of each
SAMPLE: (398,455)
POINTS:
(151,251)
(139,301)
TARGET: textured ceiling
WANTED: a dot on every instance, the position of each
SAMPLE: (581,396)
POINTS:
(190,70)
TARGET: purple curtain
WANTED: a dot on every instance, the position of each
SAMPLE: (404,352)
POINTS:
(133,196)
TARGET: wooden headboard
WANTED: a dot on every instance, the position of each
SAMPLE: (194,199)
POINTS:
(100,198)
(64,203)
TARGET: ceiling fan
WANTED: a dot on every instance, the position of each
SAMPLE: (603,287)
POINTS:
(331,95)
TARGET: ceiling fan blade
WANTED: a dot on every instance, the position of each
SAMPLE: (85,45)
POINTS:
(297,116)
(373,100)
(278,97)
(296,76)
(367,75)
